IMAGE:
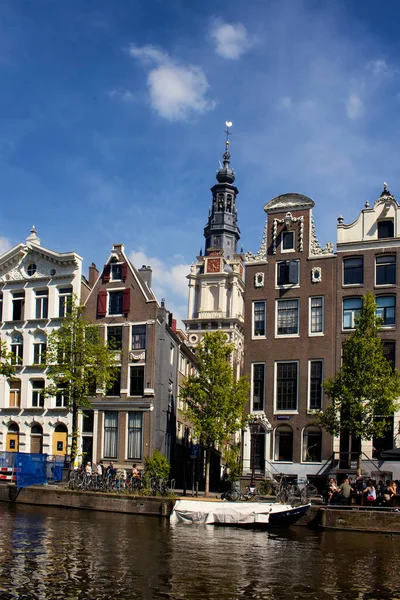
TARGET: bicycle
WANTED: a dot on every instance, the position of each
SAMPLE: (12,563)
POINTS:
(309,491)
(235,494)
(287,490)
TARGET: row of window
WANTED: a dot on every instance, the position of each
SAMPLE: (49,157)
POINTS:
(286,386)
(114,337)
(136,388)
(41,307)
(287,317)
(287,314)
(311,444)
(112,431)
(385,270)
(286,382)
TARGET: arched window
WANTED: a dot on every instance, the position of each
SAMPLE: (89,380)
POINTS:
(312,444)
(12,444)
(36,439)
(17,348)
(221,202)
(61,428)
(229,203)
(284,443)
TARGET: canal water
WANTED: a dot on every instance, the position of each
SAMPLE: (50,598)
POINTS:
(48,553)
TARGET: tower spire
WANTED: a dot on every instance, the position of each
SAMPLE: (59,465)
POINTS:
(226,174)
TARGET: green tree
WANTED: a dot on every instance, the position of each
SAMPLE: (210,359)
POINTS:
(157,466)
(365,390)
(215,400)
(6,361)
(80,365)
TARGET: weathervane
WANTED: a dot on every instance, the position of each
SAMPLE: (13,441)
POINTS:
(228,133)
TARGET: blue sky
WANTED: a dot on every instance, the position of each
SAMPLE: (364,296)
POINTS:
(112,115)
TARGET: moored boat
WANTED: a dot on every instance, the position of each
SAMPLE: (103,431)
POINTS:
(260,515)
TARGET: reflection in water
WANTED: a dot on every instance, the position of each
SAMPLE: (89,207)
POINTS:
(52,554)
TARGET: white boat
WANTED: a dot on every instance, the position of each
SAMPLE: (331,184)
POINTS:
(262,515)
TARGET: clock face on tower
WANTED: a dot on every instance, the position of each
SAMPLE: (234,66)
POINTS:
(213,265)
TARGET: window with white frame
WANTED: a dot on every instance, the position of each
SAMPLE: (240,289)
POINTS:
(287,272)
(287,240)
(316,317)
(38,393)
(137,381)
(114,336)
(135,435)
(18,304)
(15,393)
(259,312)
(353,270)
(116,271)
(386,309)
(115,387)
(312,444)
(61,397)
(64,301)
(138,337)
(315,372)
(283,450)
(42,304)
(171,353)
(351,310)
(287,317)
(385,270)
(258,385)
(286,386)
(115,301)
(17,348)
(39,351)
(110,434)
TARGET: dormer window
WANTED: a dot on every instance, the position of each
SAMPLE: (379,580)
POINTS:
(116,271)
(385,229)
(287,240)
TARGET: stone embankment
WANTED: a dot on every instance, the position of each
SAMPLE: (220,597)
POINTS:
(65,498)
(350,519)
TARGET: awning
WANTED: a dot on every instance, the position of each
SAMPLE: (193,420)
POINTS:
(393,453)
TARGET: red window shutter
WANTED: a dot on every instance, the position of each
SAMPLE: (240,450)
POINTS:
(102,303)
(126,301)
(106,273)
(124,269)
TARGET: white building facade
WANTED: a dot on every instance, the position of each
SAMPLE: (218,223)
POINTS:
(36,285)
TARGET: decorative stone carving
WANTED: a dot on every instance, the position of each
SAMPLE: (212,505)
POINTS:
(288,217)
(315,246)
(135,356)
(259,280)
(259,419)
(262,253)
(289,201)
(316,275)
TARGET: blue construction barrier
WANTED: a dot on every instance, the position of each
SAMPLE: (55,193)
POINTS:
(27,469)
(31,469)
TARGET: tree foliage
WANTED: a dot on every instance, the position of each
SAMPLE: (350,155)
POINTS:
(6,361)
(366,386)
(157,466)
(80,363)
(215,400)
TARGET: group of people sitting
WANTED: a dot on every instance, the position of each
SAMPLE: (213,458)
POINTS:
(111,472)
(366,491)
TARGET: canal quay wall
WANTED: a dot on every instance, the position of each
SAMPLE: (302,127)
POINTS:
(65,498)
(321,517)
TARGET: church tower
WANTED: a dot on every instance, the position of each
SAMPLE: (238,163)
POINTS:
(216,281)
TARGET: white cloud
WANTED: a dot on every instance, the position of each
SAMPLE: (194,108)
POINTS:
(379,68)
(231,39)
(122,94)
(168,281)
(354,106)
(285,102)
(176,91)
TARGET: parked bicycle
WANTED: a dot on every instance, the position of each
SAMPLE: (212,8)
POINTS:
(235,494)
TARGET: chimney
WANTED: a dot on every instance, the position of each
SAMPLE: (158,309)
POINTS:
(93,274)
(145,274)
